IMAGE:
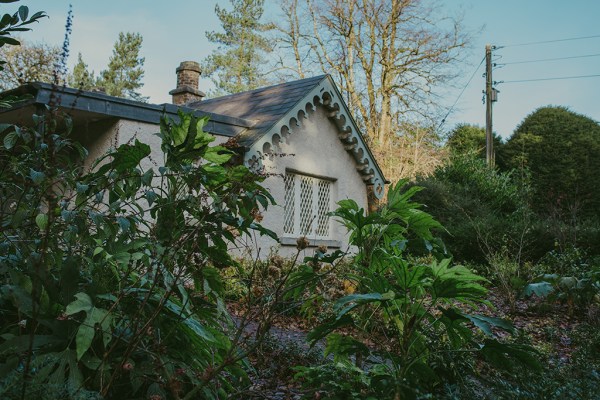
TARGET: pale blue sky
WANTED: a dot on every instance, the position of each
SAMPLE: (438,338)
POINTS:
(174,31)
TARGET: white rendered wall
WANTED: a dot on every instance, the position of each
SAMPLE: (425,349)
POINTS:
(313,148)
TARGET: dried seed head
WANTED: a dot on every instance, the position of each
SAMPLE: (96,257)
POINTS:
(277,260)
(302,243)
(274,271)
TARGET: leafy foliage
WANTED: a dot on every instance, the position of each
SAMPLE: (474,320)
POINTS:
(415,303)
(485,211)
(470,139)
(81,77)
(578,292)
(109,279)
(17,22)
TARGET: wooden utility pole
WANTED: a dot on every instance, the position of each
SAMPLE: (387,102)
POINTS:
(489,98)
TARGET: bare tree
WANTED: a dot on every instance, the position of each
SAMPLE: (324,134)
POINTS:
(29,62)
(389,56)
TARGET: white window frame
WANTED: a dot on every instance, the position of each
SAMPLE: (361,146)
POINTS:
(292,224)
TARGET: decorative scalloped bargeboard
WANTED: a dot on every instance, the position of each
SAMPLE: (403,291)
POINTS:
(326,95)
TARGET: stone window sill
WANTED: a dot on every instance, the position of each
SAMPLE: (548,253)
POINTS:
(291,241)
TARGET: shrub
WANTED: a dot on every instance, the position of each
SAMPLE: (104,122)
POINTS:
(482,209)
(109,278)
(416,303)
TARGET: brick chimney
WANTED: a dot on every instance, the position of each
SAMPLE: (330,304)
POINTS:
(188,74)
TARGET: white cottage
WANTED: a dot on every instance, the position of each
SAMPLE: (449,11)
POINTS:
(300,133)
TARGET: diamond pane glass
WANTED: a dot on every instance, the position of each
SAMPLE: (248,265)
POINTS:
(306,204)
(323,207)
(288,205)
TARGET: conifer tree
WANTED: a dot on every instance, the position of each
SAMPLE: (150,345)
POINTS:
(81,77)
(560,149)
(123,77)
(236,65)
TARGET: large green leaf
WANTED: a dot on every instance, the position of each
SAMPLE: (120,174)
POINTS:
(487,323)
(503,355)
(217,155)
(338,344)
(87,328)
(348,303)
(540,289)
(324,329)
(128,156)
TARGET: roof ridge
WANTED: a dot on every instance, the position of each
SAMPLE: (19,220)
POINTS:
(261,89)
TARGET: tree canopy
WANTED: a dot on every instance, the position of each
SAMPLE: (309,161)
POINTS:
(27,62)
(236,65)
(468,138)
(81,77)
(123,76)
(389,56)
(561,150)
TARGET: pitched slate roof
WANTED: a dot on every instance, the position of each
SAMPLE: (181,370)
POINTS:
(263,107)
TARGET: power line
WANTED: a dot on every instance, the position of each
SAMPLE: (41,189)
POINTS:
(461,93)
(548,41)
(551,79)
(549,59)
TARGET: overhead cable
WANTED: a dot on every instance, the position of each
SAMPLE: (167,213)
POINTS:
(550,59)
(548,41)
(461,93)
(551,79)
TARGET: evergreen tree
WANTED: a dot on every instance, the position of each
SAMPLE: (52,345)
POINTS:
(123,77)
(561,150)
(81,77)
(235,65)
(470,139)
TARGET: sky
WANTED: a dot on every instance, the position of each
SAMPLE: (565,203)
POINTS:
(174,31)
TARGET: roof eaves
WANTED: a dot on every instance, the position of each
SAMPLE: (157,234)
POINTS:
(101,103)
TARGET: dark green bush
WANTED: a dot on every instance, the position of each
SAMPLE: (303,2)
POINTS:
(483,210)
(109,279)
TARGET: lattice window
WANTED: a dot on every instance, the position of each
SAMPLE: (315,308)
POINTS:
(307,201)
(306,204)
(288,204)
(323,197)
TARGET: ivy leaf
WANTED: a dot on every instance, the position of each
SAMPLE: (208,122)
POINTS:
(147,177)
(81,188)
(151,196)
(124,223)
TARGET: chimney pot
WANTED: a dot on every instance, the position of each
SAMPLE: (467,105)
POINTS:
(188,75)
